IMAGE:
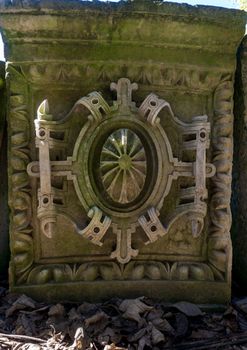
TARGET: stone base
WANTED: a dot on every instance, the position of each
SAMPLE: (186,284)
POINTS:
(172,291)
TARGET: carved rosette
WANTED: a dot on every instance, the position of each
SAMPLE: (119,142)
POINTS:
(123,166)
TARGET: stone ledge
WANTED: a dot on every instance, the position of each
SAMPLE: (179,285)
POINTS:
(208,13)
(173,31)
(159,290)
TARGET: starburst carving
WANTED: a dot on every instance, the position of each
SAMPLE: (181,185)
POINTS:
(123,166)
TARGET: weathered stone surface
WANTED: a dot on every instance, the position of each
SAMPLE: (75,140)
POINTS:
(239,195)
(84,238)
(4,247)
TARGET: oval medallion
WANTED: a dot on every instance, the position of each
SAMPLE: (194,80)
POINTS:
(123,166)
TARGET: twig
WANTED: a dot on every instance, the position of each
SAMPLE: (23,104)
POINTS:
(35,311)
(22,338)
(211,344)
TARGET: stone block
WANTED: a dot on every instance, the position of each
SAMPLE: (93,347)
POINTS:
(120,148)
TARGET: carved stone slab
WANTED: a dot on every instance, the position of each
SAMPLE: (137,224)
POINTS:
(121,183)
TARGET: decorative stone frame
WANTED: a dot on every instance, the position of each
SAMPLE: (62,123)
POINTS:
(132,199)
(159,279)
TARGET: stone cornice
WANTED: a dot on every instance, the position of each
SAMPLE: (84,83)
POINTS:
(200,12)
(118,21)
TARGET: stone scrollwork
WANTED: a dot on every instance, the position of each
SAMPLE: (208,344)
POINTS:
(95,103)
(124,251)
(152,225)
(97,228)
(151,107)
(122,168)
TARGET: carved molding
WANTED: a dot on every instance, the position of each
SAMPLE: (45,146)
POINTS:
(147,74)
(219,245)
(23,267)
(19,182)
(135,270)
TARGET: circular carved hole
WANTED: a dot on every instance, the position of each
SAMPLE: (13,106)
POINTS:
(153,103)
(96,230)
(202,134)
(45,200)
(153,228)
(121,152)
(95,101)
(42,133)
(209,170)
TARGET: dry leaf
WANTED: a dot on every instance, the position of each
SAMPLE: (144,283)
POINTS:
(132,308)
(113,335)
(23,302)
(25,325)
(79,340)
(87,309)
(164,326)
(188,309)
(99,317)
(113,347)
(156,336)
(143,342)
(230,311)
(242,322)
(31,347)
(241,304)
(74,315)
(2,291)
(182,325)
(217,318)
(136,336)
(43,308)
(57,319)
(203,334)
(56,311)
(154,314)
